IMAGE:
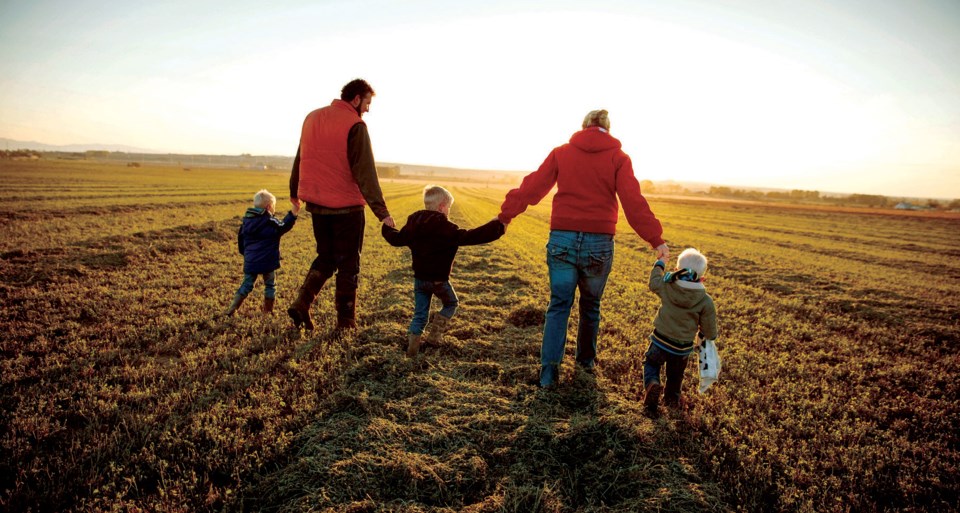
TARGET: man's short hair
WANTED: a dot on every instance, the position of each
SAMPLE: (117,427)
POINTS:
(356,87)
(434,196)
(264,198)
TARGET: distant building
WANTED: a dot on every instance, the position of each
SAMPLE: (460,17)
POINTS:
(910,206)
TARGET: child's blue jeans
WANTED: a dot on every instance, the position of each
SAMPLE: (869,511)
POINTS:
(423,292)
(269,284)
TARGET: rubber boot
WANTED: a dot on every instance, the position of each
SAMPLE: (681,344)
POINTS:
(346,303)
(299,311)
(437,328)
(413,344)
(652,398)
(268,305)
(237,300)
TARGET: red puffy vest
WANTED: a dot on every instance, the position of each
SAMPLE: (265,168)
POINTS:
(325,175)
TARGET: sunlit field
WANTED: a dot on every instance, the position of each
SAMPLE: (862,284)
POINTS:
(123,389)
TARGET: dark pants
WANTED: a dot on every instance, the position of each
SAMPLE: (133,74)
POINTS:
(339,243)
(655,360)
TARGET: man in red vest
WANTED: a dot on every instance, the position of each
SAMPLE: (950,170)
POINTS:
(335,174)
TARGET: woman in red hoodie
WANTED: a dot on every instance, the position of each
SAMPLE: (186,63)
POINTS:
(590,172)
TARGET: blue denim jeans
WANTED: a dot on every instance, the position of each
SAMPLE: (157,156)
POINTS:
(423,292)
(269,284)
(576,261)
(655,360)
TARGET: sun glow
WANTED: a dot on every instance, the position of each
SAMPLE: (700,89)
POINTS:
(704,96)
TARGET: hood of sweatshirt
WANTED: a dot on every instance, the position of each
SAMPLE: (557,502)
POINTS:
(255,222)
(684,297)
(255,212)
(430,220)
(594,140)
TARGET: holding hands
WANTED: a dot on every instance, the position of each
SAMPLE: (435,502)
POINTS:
(663,252)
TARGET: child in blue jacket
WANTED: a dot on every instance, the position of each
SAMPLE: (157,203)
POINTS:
(259,242)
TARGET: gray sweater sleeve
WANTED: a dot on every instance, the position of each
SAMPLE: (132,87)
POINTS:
(360,156)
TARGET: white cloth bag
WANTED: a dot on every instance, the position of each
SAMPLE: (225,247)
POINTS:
(709,364)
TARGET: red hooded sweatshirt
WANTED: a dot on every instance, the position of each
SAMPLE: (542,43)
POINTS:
(590,172)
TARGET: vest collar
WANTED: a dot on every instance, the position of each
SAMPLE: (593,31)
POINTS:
(340,104)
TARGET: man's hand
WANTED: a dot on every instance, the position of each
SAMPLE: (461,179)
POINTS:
(296,207)
(295,202)
(663,252)
(389,222)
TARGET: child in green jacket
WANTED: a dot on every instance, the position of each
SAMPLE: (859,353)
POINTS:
(685,310)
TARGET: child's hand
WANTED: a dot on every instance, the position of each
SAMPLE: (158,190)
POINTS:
(295,208)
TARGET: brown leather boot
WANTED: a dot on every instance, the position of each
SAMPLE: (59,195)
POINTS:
(299,311)
(346,302)
(652,397)
(237,300)
(437,327)
(413,344)
(268,305)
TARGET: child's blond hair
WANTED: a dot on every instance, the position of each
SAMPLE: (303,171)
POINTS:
(692,259)
(434,196)
(263,199)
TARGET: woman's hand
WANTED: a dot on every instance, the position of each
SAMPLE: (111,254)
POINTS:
(663,252)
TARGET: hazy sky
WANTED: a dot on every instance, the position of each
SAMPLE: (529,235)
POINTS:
(841,95)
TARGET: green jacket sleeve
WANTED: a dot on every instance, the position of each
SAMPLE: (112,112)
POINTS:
(295,176)
(656,277)
(708,321)
(364,169)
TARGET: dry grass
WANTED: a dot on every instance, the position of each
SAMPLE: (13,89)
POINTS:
(122,389)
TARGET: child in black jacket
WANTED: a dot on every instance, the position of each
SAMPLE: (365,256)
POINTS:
(259,242)
(434,242)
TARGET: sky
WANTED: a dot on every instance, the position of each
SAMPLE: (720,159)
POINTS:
(854,96)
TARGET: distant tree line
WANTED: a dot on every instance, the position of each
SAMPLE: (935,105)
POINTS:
(860,200)
(19,154)
(388,171)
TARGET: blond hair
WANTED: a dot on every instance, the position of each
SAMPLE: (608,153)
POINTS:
(693,260)
(597,118)
(263,199)
(434,196)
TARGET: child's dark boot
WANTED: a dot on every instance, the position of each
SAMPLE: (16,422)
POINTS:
(237,300)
